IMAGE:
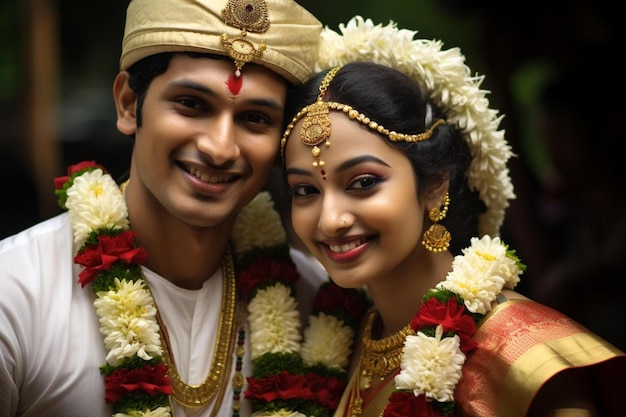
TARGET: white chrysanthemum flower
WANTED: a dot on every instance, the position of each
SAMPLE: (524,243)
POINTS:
(274,322)
(494,250)
(473,279)
(451,86)
(481,273)
(431,365)
(128,322)
(94,200)
(157,412)
(279,413)
(258,225)
(327,341)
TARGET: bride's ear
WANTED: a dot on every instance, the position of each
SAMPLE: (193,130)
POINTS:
(435,195)
(125,104)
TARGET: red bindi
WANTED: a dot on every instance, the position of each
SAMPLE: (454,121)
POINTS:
(234,83)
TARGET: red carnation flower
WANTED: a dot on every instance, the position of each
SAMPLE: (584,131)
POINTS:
(264,270)
(403,404)
(151,380)
(452,318)
(332,298)
(72,169)
(108,251)
(327,391)
(282,386)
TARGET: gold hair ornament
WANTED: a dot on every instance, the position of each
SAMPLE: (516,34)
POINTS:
(437,238)
(247,16)
(316,123)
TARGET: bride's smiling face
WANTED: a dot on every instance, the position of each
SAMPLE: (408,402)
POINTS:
(359,213)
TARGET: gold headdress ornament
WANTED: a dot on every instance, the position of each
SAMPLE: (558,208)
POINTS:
(316,124)
(450,85)
(278,34)
(248,16)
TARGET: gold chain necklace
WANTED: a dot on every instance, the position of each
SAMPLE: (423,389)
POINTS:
(199,395)
(380,357)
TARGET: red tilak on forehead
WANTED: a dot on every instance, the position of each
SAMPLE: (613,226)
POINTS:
(234,83)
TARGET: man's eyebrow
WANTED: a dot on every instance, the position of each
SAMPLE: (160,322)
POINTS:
(261,102)
(193,86)
(266,102)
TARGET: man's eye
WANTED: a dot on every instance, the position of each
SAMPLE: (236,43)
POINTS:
(191,103)
(256,118)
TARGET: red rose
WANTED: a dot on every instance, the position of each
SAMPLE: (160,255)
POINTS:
(331,298)
(264,270)
(451,316)
(72,169)
(108,251)
(151,380)
(327,391)
(282,386)
(403,404)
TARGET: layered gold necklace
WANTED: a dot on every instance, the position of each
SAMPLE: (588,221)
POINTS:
(199,395)
(379,358)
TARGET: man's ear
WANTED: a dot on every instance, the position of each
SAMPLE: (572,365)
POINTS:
(125,104)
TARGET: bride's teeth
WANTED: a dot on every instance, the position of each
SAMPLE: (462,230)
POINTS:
(347,246)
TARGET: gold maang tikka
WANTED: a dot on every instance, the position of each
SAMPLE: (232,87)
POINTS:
(316,124)
(247,16)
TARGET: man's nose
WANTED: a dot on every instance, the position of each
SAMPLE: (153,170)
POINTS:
(219,141)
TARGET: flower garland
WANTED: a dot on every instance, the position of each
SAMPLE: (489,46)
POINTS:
(290,378)
(136,379)
(432,358)
(450,85)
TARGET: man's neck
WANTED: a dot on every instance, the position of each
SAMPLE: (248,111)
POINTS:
(183,254)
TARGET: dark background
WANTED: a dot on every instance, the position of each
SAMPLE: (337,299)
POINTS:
(58,60)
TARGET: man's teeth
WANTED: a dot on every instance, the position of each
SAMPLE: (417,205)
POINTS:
(206,177)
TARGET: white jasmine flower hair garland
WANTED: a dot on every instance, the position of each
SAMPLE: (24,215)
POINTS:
(284,383)
(450,85)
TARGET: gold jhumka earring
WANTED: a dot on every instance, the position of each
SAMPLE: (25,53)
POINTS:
(437,238)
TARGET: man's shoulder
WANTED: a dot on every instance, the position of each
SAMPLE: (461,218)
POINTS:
(49,234)
(55,227)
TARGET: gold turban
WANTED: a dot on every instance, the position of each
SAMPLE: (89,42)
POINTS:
(286,44)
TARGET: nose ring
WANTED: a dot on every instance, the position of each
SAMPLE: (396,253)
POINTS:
(343,222)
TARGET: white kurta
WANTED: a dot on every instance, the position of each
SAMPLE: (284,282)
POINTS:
(50,344)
